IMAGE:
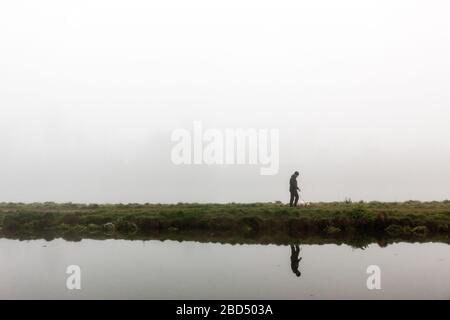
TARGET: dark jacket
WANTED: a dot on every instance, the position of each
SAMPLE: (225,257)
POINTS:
(293,186)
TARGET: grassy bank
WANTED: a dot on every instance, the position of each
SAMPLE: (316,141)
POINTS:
(274,220)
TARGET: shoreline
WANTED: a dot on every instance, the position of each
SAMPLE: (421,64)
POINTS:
(274,222)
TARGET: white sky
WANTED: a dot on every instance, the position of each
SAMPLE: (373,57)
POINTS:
(90,92)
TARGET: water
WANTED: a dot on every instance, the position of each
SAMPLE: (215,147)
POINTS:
(116,269)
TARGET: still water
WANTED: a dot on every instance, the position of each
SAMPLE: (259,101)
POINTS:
(123,269)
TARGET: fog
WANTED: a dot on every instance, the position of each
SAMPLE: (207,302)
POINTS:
(91,90)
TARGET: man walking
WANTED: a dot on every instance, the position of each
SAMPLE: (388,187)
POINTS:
(294,189)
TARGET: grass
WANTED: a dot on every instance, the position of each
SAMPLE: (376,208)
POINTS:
(406,220)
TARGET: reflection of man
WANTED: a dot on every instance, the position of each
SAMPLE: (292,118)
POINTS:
(294,189)
(295,260)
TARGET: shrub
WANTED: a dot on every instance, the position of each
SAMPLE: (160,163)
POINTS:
(11,223)
(332,230)
(394,230)
(94,228)
(30,220)
(126,226)
(109,227)
(71,219)
(148,224)
(420,231)
(358,213)
(64,227)
(442,228)
(94,219)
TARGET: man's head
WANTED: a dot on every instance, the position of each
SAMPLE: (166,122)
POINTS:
(296,173)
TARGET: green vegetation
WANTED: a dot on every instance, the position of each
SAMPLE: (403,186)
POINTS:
(407,220)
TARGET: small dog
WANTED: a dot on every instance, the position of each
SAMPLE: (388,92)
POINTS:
(302,203)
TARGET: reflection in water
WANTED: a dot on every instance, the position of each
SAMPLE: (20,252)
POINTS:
(295,260)
(124,269)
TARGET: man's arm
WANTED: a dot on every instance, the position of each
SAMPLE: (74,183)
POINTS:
(294,184)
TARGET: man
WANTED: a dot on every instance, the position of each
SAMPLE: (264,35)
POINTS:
(294,189)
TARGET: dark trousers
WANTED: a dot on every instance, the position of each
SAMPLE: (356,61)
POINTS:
(294,198)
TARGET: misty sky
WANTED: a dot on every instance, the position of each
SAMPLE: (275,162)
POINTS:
(91,90)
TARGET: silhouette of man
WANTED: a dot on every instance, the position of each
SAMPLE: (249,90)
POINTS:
(295,260)
(294,189)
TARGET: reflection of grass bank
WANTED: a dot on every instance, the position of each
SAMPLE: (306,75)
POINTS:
(230,237)
(410,220)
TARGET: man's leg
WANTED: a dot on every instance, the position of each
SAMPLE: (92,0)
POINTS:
(296,198)
(291,202)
